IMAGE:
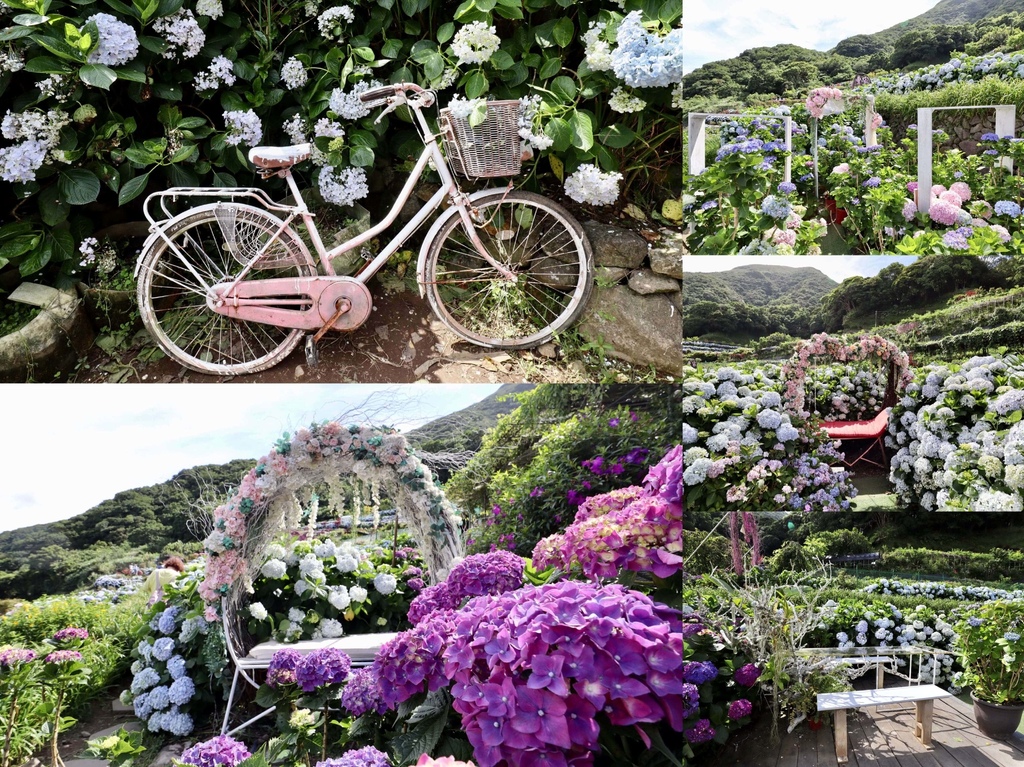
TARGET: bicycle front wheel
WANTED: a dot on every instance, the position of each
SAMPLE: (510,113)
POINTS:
(208,247)
(536,239)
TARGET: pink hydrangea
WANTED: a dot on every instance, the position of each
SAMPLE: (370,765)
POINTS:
(942,212)
(937,190)
(952,198)
(909,210)
(961,190)
(548,552)
(784,237)
(1002,231)
(842,168)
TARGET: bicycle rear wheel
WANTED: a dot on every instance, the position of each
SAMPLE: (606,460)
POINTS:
(530,235)
(210,246)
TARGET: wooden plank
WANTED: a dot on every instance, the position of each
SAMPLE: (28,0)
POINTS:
(825,747)
(870,743)
(897,727)
(833,701)
(789,750)
(964,712)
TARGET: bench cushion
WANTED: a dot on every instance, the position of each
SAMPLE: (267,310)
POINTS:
(360,647)
(833,701)
(858,429)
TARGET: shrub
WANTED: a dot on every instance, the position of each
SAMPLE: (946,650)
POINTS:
(836,542)
(713,553)
(996,565)
(790,557)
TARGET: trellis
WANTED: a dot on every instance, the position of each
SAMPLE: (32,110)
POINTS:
(697,134)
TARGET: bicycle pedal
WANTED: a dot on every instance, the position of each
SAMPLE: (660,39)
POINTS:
(312,352)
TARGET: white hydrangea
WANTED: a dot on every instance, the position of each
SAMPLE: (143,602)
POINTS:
(212,8)
(598,51)
(343,187)
(276,551)
(182,33)
(295,615)
(329,128)
(339,598)
(220,72)
(348,105)
(475,43)
(325,549)
(243,128)
(346,562)
(293,73)
(625,102)
(54,86)
(528,109)
(19,163)
(463,108)
(385,583)
(329,24)
(301,587)
(331,628)
(447,79)
(12,60)
(310,564)
(258,611)
(295,127)
(118,42)
(274,568)
(593,187)
(358,594)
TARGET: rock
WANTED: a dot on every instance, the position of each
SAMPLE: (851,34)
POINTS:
(643,330)
(167,755)
(86,763)
(50,344)
(382,331)
(609,275)
(646,282)
(299,371)
(667,255)
(613,246)
(548,350)
(118,707)
(133,726)
(578,367)
(553,273)
(969,146)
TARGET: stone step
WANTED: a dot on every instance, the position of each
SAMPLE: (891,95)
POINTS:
(118,707)
(86,763)
(133,726)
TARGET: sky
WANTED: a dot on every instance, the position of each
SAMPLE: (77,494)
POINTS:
(68,448)
(836,267)
(722,29)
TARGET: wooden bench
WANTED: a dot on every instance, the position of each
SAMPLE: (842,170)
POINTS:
(840,702)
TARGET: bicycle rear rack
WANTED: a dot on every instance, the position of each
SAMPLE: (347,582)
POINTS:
(226,193)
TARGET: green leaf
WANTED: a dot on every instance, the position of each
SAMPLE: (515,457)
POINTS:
(189,123)
(509,9)
(476,85)
(131,75)
(47,65)
(670,11)
(78,186)
(366,54)
(391,49)
(361,156)
(30,19)
(464,8)
(445,32)
(19,246)
(14,33)
(560,132)
(34,263)
(132,189)
(167,92)
(433,67)
(479,114)
(543,34)
(550,68)
(184,153)
(616,136)
(98,75)
(501,60)
(564,87)
(53,208)
(582,128)
(563,31)
(63,244)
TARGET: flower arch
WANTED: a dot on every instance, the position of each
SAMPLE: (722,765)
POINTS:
(794,372)
(266,501)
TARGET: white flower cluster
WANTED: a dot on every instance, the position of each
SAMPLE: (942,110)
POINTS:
(447,79)
(12,60)
(625,102)
(475,43)
(348,105)
(330,20)
(293,73)
(598,50)
(343,187)
(212,8)
(243,128)
(940,590)
(220,72)
(37,133)
(530,131)
(961,69)
(463,108)
(55,86)
(644,60)
(328,128)
(118,42)
(958,445)
(182,34)
(591,186)
(295,127)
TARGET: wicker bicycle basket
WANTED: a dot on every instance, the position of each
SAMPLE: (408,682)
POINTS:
(486,150)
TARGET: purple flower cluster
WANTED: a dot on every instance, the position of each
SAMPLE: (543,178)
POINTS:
(691,700)
(430,600)
(14,656)
(956,239)
(282,667)
(699,672)
(533,667)
(63,656)
(701,732)
(363,694)
(69,633)
(548,552)
(747,675)
(413,659)
(481,574)
(363,757)
(606,503)
(323,667)
(740,708)
(222,750)
(665,480)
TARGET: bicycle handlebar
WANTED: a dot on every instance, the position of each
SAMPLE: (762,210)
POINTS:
(384,91)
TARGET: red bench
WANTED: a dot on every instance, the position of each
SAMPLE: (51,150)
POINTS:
(872,431)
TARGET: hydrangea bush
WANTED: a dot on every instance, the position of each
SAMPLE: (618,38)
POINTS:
(112,100)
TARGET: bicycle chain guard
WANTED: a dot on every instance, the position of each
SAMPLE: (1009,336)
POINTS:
(306,303)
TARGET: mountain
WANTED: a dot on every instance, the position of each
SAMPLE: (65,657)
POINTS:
(759,285)
(945,12)
(465,429)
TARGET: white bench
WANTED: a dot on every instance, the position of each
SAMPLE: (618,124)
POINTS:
(840,702)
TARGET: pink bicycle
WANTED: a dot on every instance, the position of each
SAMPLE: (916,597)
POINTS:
(230,287)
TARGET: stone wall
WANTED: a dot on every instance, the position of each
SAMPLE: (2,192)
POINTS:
(637,302)
(965,127)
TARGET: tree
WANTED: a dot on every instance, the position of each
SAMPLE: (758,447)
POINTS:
(859,45)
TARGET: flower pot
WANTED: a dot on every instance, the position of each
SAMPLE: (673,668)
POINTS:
(107,308)
(836,214)
(814,724)
(995,720)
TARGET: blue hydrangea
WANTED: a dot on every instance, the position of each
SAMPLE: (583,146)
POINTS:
(776,207)
(786,187)
(956,239)
(163,648)
(159,697)
(145,679)
(769,419)
(1011,636)
(176,667)
(786,433)
(1007,208)
(181,691)
(989,137)
(709,205)
(643,60)
(176,722)
(141,706)
(166,622)
(872,182)
(1008,402)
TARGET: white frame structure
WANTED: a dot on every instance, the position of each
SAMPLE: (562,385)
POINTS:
(697,132)
(1006,125)
(870,133)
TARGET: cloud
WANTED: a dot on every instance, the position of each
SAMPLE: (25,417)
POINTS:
(836,267)
(721,29)
(69,448)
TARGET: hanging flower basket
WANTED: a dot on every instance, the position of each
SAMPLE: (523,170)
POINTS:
(823,102)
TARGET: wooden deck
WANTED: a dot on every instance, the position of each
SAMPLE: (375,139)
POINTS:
(881,737)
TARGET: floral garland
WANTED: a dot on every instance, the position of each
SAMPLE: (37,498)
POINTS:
(265,501)
(824,101)
(795,371)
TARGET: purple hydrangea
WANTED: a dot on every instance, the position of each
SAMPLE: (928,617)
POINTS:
(430,600)
(666,479)
(415,584)
(363,757)
(747,675)
(13,656)
(363,694)
(531,669)
(872,183)
(69,633)
(740,708)
(691,700)
(412,660)
(480,574)
(222,750)
(701,732)
(167,623)
(282,667)
(975,621)
(63,656)
(699,672)
(956,239)
(786,187)
(323,667)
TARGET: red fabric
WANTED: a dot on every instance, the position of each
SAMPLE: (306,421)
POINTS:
(858,429)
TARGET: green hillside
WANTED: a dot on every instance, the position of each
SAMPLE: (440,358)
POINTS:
(759,285)
(465,429)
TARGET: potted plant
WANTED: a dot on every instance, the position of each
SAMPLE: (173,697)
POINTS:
(990,645)
(107,284)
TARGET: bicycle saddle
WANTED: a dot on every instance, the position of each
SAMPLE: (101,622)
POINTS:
(278,157)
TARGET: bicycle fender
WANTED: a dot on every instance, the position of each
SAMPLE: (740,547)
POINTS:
(421,264)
